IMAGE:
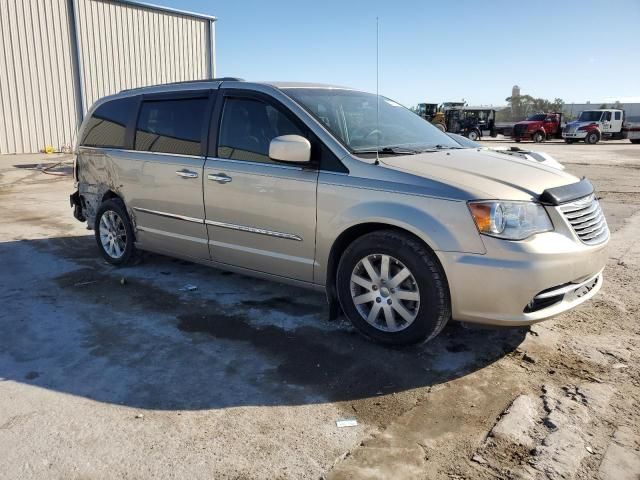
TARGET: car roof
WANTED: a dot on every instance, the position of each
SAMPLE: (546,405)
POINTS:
(206,83)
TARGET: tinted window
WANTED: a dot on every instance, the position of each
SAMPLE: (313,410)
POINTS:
(247,128)
(107,127)
(618,115)
(171,126)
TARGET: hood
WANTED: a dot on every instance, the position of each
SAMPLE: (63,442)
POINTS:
(483,174)
(577,123)
(529,122)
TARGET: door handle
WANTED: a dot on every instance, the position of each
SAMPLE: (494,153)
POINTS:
(219,177)
(184,173)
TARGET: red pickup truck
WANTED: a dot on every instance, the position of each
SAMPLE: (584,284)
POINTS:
(538,127)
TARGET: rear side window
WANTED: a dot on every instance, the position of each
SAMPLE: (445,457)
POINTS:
(107,127)
(247,128)
(618,115)
(171,126)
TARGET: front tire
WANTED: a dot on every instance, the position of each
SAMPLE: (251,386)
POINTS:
(393,289)
(538,137)
(592,138)
(635,140)
(114,232)
(473,136)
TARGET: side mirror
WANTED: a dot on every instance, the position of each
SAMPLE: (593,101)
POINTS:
(290,148)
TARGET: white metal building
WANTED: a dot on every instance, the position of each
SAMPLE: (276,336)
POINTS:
(58,56)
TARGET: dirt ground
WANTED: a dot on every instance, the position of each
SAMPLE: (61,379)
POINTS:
(120,373)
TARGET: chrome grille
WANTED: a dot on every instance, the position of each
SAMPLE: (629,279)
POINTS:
(587,219)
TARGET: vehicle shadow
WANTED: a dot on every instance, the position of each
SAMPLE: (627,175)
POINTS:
(137,337)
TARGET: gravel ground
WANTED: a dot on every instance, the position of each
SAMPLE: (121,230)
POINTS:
(117,373)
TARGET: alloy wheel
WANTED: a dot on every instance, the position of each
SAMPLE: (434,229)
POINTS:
(113,234)
(385,292)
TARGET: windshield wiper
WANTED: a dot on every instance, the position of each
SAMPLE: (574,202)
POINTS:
(446,147)
(390,151)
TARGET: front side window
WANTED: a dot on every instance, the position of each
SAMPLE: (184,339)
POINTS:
(247,128)
(363,121)
(107,127)
(171,126)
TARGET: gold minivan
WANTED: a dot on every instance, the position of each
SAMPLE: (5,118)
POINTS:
(341,191)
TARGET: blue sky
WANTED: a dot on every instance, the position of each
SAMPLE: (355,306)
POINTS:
(435,51)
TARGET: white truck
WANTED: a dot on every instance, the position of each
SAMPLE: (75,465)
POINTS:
(595,125)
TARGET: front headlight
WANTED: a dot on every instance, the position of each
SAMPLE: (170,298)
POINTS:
(510,220)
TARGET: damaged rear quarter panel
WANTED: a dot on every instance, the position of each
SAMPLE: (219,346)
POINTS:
(100,171)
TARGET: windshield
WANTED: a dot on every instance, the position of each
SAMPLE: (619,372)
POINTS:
(537,118)
(592,116)
(352,117)
(464,141)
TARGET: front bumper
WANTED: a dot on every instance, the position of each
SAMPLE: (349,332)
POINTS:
(522,136)
(520,283)
(578,134)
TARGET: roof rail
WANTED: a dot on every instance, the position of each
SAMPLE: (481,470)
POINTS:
(204,80)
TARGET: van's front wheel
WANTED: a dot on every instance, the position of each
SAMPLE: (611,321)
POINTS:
(393,289)
(114,233)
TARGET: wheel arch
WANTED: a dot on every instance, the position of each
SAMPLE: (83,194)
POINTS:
(109,194)
(346,238)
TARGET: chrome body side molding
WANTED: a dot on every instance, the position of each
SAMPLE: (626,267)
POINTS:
(260,231)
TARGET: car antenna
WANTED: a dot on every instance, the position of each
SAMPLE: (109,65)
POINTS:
(377,93)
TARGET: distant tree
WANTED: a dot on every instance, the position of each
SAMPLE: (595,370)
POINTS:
(523,106)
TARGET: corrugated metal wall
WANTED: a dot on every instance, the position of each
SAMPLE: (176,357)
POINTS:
(121,45)
(125,46)
(37,94)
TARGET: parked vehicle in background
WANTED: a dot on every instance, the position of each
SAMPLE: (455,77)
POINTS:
(472,122)
(340,191)
(595,125)
(539,127)
(432,113)
(631,130)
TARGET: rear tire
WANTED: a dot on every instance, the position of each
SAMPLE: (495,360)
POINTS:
(592,138)
(393,289)
(114,232)
(568,140)
(635,140)
(538,137)
(473,136)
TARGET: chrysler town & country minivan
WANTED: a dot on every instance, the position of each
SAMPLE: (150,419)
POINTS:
(341,191)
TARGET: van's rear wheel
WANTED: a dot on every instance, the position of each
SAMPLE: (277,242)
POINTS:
(114,233)
(393,289)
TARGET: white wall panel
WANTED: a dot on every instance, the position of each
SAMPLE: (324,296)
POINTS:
(127,46)
(37,95)
(121,45)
